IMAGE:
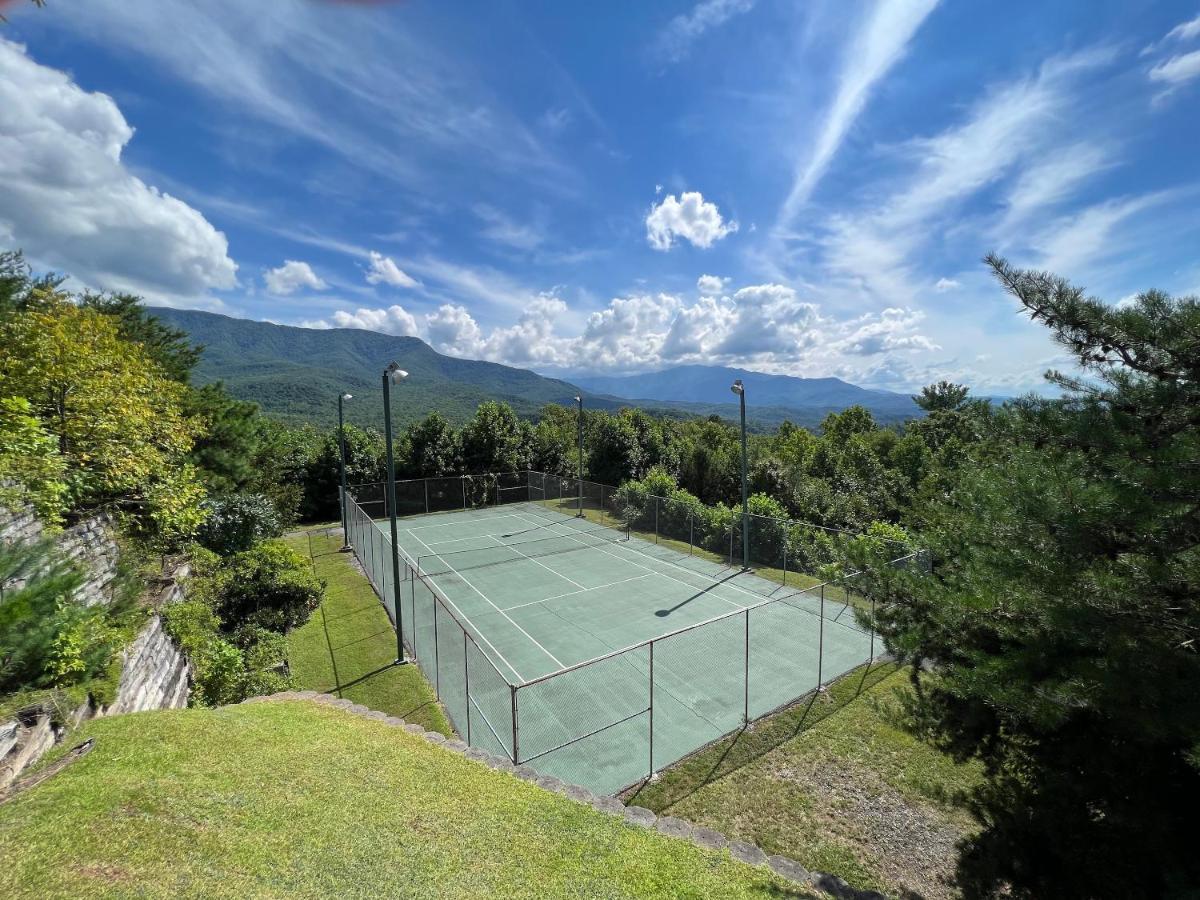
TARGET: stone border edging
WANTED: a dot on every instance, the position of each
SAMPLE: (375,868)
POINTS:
(705,838)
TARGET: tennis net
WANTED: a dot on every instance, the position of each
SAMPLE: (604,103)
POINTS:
(511,548)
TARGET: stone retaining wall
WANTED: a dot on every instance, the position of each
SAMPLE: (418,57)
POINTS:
(92,543)
(634,815)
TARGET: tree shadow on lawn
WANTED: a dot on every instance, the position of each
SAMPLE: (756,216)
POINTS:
(733,752)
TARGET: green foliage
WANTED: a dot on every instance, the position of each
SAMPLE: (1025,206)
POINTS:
(169,348)
(269,586)
(227,450)
(1061,620)
(48,638)
(366,463)
(116,417)
(431,449)
(495,440)
(945,395)
(30,465)
(236,522)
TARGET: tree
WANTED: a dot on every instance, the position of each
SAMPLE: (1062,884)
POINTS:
(1062,622)
(30,465)
(433,448)
(616,455)
(366,463)
(117,420)
(226,450)
(942,395)
(169,347)
(495,440)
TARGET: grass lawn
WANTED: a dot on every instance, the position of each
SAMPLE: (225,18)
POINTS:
(348,646)
(832,784)
(293,799)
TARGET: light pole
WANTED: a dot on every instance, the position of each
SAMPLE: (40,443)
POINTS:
(579,400)
(393,374)
(740,389)
(342,441)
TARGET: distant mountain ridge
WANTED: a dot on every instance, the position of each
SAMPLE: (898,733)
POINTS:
(710,385)
(297,373)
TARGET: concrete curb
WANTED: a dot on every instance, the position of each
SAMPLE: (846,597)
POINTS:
(670,826)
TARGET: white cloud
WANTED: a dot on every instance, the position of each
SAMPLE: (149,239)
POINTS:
(1178,69)
(675,41)
(876,47)
(385,271)
(292,276)
(69,201)
(392,320)
(502,229)
(1073,241)
(711,284)
(690,217)
(892,330)
(946,284)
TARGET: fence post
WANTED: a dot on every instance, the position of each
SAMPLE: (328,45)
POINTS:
(785,543)
(872,656)
(691,531)
(515,755)
(437,669)
(464,487)
(426,496)
(731,546)
(656,520)
(603,508)
(821,640)
(651,709)
(467,683)
(746,675)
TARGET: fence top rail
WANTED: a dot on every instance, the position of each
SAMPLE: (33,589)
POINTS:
(442,600)
(460,475)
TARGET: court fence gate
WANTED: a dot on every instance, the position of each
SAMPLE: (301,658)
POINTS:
(609,713)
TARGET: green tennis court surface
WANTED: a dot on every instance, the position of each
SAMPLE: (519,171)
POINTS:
(685,649)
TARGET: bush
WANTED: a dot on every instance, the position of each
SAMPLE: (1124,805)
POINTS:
(270,586)
(236,522)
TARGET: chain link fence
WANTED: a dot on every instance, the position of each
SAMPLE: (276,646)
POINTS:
(615,720)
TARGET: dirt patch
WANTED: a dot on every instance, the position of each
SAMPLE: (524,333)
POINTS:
(911,845)
(106,872)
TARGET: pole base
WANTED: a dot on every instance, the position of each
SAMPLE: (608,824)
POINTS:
(399,662)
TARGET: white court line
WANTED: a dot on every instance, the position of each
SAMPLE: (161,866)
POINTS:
(497,609)
(457,523)
(598,587)
(465,617)
(664,574)
(736,587)
(532,560)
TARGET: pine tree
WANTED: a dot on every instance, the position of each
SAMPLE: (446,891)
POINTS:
(1062,622)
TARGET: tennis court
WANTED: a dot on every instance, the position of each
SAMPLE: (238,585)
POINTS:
(591,654)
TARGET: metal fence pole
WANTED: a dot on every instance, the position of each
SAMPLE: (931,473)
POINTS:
(426,496)
(652,709)
(437,668)
(821,640)
(467,683)
(691,531)
(731,546)
(515,755)
(872,656)
(746,675)
(656,520)
(464,487)
(785,561)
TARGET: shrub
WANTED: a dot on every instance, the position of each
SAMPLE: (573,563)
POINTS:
(236,522)
(270,586)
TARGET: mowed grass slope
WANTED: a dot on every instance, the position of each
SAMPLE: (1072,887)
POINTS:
(295,799)
(834,784)
(348,646)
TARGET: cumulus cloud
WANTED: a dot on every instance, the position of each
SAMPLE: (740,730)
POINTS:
(891,330)
(385,271)
(690,217)
(946,284)
(69,201)
(290,277)
(392,320)
(711,284)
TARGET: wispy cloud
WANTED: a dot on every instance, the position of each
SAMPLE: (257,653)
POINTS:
(875,48)
(675,41)
(345,79)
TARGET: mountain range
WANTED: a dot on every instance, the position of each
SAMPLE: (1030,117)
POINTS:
(296,374)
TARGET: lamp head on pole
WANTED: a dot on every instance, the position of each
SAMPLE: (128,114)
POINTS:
(579,399)
(394,373)
(347,396)
(737,387)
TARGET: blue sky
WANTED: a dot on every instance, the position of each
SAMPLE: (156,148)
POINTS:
(803,188)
